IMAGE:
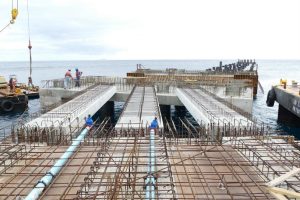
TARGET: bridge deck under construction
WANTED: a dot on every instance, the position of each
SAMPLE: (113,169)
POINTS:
(116,167)
(221,154)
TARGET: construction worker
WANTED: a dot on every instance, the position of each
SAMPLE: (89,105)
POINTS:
(154,125)
(77,75)
(30,84)
(68,78)
(89,121)
(12,84)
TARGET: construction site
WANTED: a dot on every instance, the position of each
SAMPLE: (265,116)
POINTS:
(211,148)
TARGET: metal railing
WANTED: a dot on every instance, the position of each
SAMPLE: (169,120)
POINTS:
(87,81)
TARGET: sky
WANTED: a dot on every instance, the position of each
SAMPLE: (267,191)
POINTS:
(156,29)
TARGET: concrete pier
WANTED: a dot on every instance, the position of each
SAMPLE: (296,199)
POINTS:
(204,108)
(72,113)
(289,103)
(137,98)
(50,96)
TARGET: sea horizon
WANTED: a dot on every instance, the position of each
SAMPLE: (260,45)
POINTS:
(157,59)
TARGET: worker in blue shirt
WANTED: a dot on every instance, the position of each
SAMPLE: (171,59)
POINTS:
(154,125)
(89,121)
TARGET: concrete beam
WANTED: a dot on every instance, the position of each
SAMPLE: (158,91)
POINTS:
(56,119)
(163,98)
(135,118)
(54,95)
(193,108)
(204,108)
(50,96)
(168,99)
(97,104)
(245,104)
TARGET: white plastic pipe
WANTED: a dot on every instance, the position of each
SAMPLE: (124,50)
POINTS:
(46,180)
(150,180)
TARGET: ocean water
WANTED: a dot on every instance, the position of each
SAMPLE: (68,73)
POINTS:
(270,72)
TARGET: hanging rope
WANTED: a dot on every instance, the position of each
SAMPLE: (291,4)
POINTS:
(5,27)
(29,47)
(28,24)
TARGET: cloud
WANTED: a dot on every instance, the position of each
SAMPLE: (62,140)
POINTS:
(168,29)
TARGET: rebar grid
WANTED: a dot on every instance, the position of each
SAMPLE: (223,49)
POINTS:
(26,168)
(125,168)
(213,172)
(210,133)
(71,109)
(272,157)
(10,154)
(113,164)
(5,132)
(22,177)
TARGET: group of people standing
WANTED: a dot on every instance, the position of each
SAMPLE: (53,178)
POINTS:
(69,77)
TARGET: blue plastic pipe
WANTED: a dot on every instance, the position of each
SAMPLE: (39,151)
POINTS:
(150,180)
(46,180)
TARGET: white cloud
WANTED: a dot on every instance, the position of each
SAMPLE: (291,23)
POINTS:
(157,29)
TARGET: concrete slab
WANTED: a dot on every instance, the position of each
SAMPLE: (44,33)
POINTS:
(50,96)
(140,109)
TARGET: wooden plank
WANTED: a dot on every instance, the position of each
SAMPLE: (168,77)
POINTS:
(5,92)
(283,177)
(281,191)
(278,196)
